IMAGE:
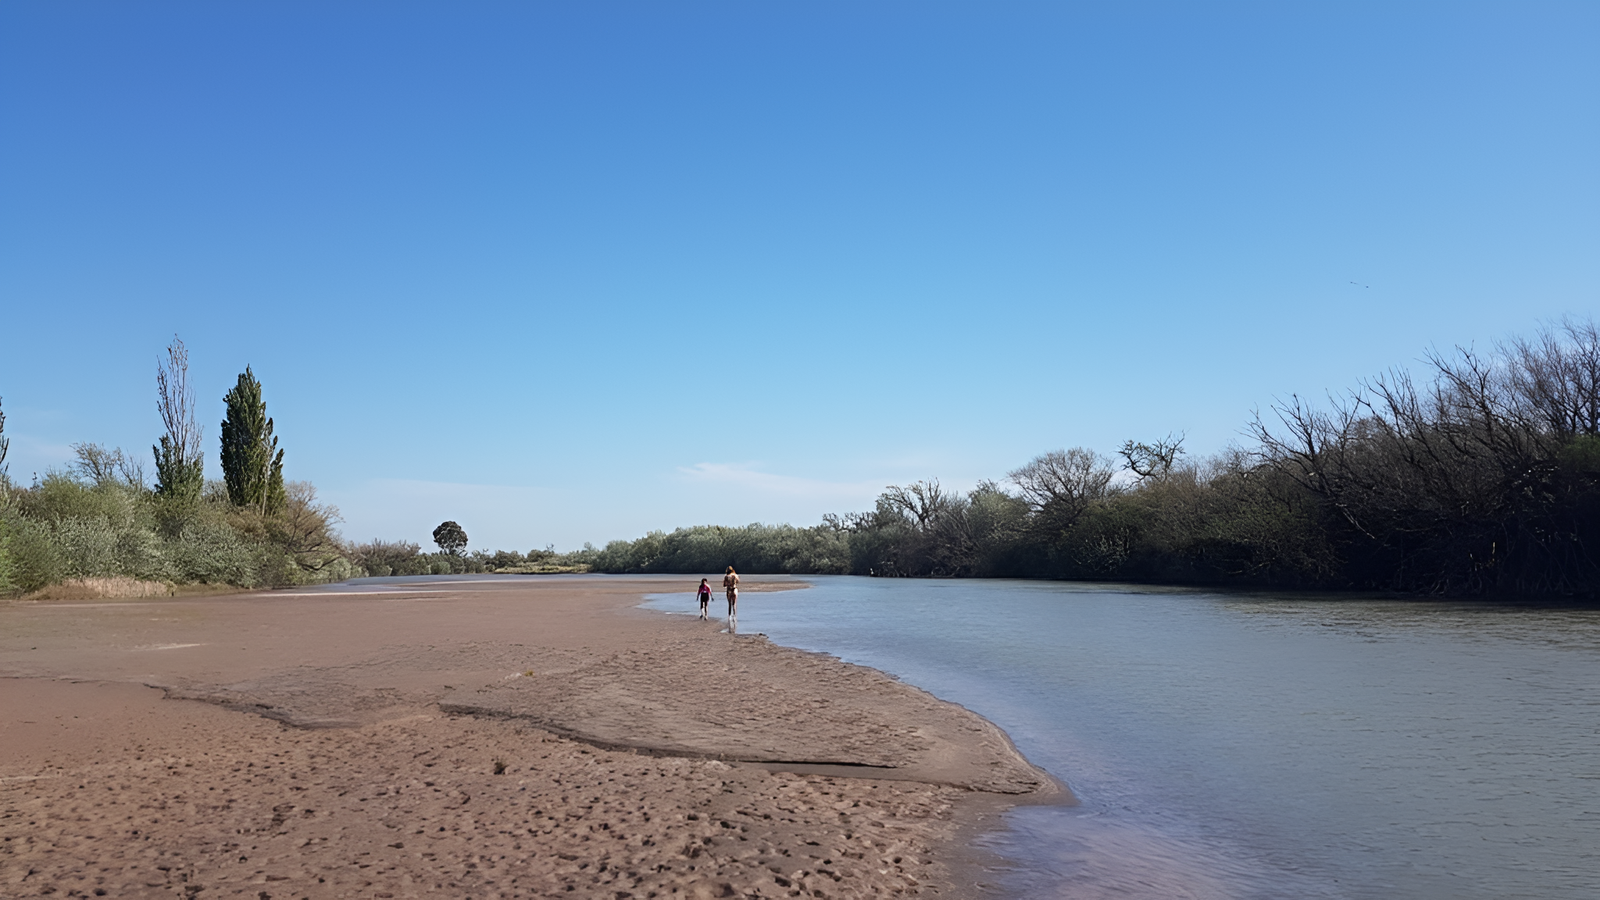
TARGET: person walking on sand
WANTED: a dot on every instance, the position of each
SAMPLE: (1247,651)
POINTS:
(704,594)
(730,582)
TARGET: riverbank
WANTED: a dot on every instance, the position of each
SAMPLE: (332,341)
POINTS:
(492,737)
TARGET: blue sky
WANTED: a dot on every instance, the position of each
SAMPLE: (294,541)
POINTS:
(569,272)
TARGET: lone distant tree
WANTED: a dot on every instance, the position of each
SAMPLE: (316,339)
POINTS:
(450,538)
(180,468)
(252,464)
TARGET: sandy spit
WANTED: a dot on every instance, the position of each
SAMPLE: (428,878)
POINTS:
(508,737)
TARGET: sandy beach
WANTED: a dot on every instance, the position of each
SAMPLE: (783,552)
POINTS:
(496,737)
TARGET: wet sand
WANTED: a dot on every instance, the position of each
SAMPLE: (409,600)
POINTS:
(504,737)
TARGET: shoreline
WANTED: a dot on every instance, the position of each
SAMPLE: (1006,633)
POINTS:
(834,777)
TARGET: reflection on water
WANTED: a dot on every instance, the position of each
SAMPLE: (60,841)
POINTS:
(1233,746)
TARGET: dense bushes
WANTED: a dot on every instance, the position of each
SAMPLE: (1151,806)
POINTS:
(90,523)
(756,548)
(99,519)
(95,522)
(1484,480)
(385,558)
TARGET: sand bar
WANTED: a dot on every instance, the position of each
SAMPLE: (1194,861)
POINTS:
(510,737)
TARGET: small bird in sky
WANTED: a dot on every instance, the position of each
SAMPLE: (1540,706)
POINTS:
(1360,285)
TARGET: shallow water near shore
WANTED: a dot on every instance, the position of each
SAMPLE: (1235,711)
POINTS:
(1246,746)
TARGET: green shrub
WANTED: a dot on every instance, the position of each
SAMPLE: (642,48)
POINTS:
(8,582)
(211,553)
(337,570)
(59,496)
(382,558)
(140,553)
(88,546)
(36,560)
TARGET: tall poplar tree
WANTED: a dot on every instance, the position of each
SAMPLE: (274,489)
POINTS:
(5,443)
(252,464)
(180,467)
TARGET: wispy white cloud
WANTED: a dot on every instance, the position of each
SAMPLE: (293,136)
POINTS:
(747,477)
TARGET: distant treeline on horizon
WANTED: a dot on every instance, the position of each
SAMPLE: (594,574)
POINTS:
(1484,480)
(1481,480)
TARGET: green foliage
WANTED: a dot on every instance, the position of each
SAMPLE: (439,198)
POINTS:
(252,464)
(176,477)
(300,534)
(180,468)
(88,546)
(97,518)
(1580,456)
(59,495)
(8,573)
(387,558)
(1221,525)
(1486,480)
(36,560)
(753,548)
(381,559)
(67,527)
(213,553)
(451,538)
(534,562)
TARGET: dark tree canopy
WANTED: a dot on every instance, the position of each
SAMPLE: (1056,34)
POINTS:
(252,464)
(1479,477)
(450,537)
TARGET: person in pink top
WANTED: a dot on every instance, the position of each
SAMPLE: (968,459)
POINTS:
(705,597)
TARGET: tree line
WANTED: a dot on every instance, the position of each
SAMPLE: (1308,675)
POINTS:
(1481,477)
(101,516)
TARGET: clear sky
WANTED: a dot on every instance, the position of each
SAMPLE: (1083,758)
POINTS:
(566,272)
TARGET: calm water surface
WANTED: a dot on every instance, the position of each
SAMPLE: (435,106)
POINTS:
(1248,747)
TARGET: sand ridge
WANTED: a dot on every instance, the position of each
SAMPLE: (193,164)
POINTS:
(334,755)
(745,699)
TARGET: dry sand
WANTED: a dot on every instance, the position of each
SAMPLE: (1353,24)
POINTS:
(506,737)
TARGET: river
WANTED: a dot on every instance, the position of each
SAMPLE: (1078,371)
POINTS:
(1250,746)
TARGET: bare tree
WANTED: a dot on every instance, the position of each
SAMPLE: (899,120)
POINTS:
(1064,482)
(180,468)
(1557,374)
(921,501)
(1153,460)
(1478,479)
(305,528)
(942,541)
(96,464)
(5,444)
